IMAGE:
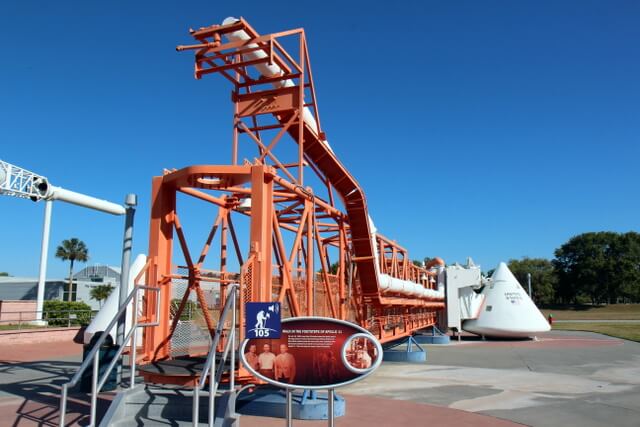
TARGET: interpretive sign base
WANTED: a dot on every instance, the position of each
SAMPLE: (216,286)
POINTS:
(307,405)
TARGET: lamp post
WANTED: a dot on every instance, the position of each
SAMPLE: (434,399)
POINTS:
(130,202)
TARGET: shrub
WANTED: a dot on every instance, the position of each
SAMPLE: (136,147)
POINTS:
(57,313)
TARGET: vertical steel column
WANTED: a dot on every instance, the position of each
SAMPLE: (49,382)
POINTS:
(232,380)
(262,231)
(130,202)
(223,254)
(163,205)
(311,290)
(344,302)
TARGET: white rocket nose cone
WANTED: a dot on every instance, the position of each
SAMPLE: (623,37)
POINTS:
(230,20)
(508,311)
(503,274)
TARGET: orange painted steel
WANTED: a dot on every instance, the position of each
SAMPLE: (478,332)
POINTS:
(308,242)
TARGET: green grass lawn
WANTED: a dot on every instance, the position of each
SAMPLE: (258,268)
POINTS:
(627,331)
(15,327)
(602,312)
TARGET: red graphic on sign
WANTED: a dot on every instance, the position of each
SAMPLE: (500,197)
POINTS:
(313,352)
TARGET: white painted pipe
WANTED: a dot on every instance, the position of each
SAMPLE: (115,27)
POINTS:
(269,70)
(59,193)
(390,284)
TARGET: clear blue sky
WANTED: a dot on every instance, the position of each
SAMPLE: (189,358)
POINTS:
(496,129)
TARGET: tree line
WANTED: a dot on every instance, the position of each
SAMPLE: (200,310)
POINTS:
(599,267)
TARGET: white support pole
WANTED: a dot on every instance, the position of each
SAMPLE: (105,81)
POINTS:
(44,253)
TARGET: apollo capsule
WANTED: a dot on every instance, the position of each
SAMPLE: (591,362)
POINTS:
(508,312)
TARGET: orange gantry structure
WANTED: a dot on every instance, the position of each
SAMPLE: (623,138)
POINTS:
(290,223)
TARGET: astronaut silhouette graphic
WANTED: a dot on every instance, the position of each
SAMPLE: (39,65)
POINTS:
(261,318)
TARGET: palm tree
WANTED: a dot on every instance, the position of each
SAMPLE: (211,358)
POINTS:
(72,250)
(101,293)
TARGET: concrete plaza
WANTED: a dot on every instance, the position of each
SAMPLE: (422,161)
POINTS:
(564,378)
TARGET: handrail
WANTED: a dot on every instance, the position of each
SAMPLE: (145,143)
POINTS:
(210,364)
(92,357)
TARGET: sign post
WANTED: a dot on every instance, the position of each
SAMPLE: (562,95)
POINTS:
(308,353)
(289,414)
(330,414)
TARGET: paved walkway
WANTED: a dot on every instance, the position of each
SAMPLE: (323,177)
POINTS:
(364,411)
(31,376)
(565,378)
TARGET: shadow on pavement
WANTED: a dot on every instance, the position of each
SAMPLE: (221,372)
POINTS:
(35,388)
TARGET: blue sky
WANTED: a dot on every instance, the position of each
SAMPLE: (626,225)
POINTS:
(495,129)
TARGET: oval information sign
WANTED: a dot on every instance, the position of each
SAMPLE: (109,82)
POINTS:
(313,353)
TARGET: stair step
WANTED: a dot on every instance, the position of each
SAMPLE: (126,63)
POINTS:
(159,406)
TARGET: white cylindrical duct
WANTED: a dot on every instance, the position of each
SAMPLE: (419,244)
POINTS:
(58,193)
(392,285)
(269,70)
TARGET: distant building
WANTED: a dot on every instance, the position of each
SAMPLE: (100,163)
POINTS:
(26,288)
(99,274)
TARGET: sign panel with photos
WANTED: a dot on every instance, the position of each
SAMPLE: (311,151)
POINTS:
(313,353)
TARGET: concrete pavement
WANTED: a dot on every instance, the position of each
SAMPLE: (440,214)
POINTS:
(566,378)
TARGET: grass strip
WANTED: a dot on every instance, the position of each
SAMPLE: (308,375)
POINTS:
(627,331)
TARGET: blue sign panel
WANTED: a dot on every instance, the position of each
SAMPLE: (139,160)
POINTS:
(262,320)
